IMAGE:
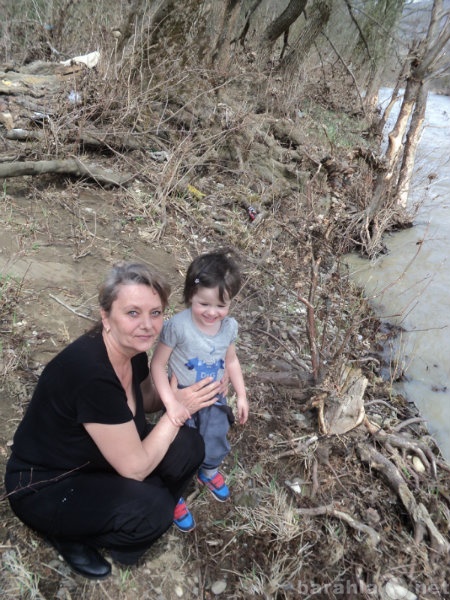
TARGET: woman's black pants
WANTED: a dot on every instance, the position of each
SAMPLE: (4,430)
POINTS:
(106,510)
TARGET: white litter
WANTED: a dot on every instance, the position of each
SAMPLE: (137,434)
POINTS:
(90,60)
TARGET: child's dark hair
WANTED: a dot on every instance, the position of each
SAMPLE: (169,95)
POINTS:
(215,269)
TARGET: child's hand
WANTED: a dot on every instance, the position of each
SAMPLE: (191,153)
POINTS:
(243,410)
(178,413)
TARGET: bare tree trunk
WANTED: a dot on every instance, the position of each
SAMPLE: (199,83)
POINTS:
(127,28)
(244,32)
(374,81)
(386,184)
(397,135)
(412,141)
(375,26)
(163,13)
(422,71)
(316,22)
(394,96)
(424,63)
(221,54)
(282,23)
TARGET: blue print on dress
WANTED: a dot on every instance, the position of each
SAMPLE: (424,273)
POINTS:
(203,369)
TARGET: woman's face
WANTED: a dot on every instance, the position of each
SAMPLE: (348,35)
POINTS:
(135,319)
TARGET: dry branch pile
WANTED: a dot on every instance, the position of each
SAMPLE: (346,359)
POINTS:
(39,103)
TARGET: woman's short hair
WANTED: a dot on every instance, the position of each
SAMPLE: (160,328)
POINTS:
(215,269)
(125,273)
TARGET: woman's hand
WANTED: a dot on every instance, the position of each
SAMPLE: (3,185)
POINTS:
(198,395)
(177,413)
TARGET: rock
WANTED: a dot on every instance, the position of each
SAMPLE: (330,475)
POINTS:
(295,485)
(418,465)
(395,590)
(218,587)
(372,516)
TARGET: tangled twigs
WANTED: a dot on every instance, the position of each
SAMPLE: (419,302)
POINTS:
(418,513)
(301,448)
(374,537)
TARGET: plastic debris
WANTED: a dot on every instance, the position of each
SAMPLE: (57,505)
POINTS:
(74,97)
(160,156)
(251,213)
(195,192)
(90,60)
(395,590)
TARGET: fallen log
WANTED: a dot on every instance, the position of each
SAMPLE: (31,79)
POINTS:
(97,140)
(72,166)
(23,135)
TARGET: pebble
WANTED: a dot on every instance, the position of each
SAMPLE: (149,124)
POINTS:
(418,465)
(299,417)
(295,485)
(266,416)
(396,591)
(218,587)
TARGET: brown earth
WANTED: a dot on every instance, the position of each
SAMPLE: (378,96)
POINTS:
(359,540)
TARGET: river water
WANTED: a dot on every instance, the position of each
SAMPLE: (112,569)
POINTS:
(410,286)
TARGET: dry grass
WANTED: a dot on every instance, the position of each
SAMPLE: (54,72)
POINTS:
(18,579)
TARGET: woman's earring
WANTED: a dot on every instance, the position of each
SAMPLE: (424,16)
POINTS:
(108,329)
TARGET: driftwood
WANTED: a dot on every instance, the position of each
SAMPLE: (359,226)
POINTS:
(72,310)
(71,166)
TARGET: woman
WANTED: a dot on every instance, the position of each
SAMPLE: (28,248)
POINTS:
(87,471)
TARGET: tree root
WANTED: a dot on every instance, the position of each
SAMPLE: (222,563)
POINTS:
(418,513)
(399,441)
(374,537)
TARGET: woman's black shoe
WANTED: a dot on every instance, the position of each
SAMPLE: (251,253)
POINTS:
(82,559)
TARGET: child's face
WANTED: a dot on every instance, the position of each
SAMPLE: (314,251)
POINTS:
(207,310)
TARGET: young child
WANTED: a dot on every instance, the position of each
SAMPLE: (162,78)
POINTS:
(196,343)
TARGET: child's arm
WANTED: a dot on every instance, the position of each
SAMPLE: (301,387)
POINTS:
(175,410)
(234,371)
